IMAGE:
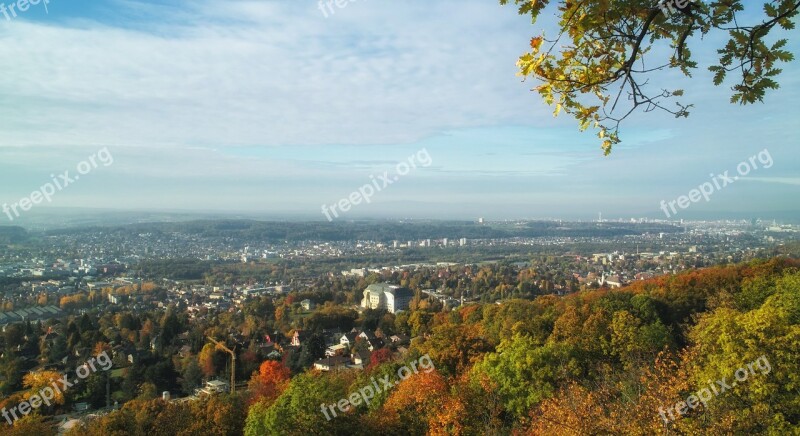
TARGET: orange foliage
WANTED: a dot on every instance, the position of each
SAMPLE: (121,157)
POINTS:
(421,403)
(75,301)
(269,382)
(468,311)
(448,419)
(626,406)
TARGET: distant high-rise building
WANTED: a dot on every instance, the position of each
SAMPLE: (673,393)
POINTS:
(444,242)
(480,220)
(462,242)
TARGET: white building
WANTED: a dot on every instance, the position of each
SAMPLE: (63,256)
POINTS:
(385,296)
(214,387)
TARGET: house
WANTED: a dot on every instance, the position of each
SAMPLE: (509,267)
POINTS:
(265,346)
(307,304)
(361,357)
(332,363)
(610,281)
(385,296)
(336,350)
(400,339)
(373,342)
(614,282)
(348,339)
(367,335)
(299,337)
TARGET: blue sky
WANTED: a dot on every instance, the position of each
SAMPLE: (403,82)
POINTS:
(269,107)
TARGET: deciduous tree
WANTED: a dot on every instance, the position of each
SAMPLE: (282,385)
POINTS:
(597,66)
(268,382)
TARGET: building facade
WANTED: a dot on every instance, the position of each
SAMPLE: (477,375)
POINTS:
(385,296)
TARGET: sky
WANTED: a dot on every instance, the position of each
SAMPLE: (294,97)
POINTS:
(280,107)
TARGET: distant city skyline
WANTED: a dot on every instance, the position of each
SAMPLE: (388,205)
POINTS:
(273,109)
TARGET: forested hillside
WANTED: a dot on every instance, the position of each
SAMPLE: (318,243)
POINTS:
(590,363)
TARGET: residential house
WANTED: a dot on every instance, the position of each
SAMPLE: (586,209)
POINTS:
(332,363)
(361,357)
(400,339)
(336,350)
(348,339)
(373,342)
(299,337)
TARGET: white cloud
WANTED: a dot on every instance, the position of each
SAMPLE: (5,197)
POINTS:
(262,73)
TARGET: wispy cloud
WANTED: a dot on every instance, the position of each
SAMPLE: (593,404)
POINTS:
(260,73)
(778,180)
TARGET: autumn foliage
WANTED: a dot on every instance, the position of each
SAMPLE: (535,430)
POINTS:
(268,382)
